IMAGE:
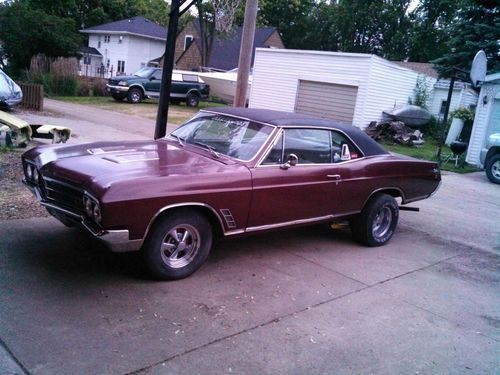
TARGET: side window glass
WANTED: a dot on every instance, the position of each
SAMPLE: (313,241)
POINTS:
(157,75)
(312,146)
(275,155)
(343,149)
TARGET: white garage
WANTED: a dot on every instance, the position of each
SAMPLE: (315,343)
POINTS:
(348,87)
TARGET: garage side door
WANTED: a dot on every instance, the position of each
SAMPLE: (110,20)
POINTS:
(326,100)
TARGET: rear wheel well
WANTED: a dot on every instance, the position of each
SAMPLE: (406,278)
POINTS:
(208,213)
(393,192)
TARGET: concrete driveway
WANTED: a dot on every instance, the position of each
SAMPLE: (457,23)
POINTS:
(307,301)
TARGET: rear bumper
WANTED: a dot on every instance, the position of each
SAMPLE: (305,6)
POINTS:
(115,240)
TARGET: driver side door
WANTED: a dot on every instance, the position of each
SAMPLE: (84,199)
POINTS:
(302,192)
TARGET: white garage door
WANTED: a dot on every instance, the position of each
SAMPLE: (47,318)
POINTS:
(326,100)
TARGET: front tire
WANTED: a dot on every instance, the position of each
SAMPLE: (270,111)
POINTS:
(376,223)
(134,95)
(492,168)
(178,245)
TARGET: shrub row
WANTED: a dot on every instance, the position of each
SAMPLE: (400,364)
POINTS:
(67,85)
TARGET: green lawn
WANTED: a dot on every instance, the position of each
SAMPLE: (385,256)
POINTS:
(178,113)
(428,151)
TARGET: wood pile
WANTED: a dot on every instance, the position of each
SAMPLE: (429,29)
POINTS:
(394,132)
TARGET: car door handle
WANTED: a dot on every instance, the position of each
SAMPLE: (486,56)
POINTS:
(334,176)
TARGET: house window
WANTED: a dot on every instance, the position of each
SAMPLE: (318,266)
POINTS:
(121,67)
(442,108)
(86,60)
(120,39)
(107,63)
(188,39)
(107,38)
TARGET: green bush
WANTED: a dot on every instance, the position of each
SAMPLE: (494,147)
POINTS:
(99,87)
(433,129)
(54,85)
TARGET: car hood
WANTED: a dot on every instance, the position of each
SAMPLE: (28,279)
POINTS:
(106,163)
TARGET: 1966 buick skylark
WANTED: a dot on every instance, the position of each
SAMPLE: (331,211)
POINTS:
(226,172)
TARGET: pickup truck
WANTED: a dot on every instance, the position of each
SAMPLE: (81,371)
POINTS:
(490,158)
(146,83)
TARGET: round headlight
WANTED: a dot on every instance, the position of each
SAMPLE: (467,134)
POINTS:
(29,171)
(97,214)
(89,209)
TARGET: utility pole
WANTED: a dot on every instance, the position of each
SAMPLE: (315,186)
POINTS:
(246,52)
(168,66)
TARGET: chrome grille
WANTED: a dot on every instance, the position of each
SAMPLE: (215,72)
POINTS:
(63,194)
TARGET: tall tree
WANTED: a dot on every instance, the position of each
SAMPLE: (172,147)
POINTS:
(291,17)
(477,27)
(26,32)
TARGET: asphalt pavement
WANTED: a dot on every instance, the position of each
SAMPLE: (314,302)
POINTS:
(303,301)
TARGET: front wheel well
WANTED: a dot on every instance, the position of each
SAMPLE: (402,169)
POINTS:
(208,212)
(491,152)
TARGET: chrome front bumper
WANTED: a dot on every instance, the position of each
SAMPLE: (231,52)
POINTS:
(117,88)
(115,240)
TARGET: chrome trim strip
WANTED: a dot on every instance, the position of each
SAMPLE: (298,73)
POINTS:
(177,205)
(404,201)
(287,223)
(282,129)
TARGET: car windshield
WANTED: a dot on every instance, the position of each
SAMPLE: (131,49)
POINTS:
(237,138)
(143,72)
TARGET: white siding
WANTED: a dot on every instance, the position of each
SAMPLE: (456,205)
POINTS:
(277,73)
(389,86)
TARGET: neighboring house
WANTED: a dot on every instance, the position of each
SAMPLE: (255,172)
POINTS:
(348,87)
(225,50)
(463,93)
(125,46)
(487,118)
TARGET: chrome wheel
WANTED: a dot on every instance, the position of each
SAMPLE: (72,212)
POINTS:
(180,246)
(376,223)
(495,169)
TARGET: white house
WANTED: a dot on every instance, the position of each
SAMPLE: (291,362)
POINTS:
(348,87)
(125,46)
(487,118)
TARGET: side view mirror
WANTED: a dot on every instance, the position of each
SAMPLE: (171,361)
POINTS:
(290,162)
(152,78)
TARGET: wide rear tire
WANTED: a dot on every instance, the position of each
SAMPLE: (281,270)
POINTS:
(178,244)
(376,223)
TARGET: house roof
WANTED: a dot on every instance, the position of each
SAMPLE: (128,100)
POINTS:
(226,50)
(89,51)
(136,25)
(423,68)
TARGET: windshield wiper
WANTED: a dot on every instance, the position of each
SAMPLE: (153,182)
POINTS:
(179,139)
(208,147)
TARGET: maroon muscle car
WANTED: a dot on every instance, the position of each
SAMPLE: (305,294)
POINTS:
(226,172)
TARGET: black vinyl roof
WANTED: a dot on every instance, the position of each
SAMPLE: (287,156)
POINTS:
(283,119)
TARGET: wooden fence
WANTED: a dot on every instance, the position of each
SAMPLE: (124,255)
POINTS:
(32,96)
